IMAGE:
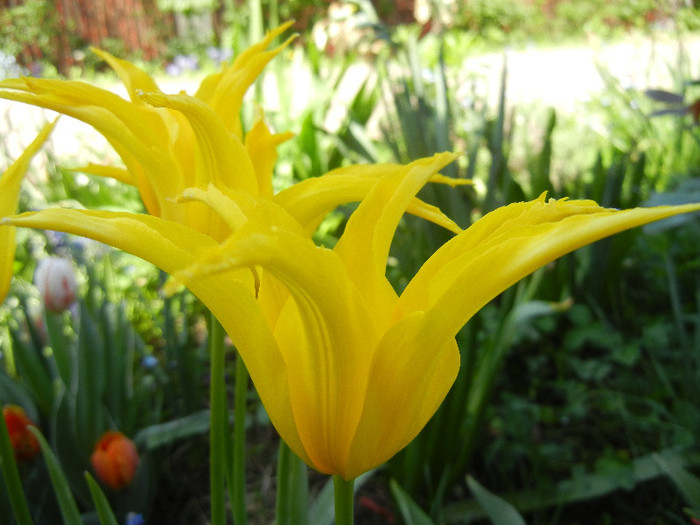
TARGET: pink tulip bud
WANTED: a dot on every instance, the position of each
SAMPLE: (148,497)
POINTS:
(55,279)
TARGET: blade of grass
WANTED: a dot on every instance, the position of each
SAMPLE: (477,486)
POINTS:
(499,511)
(219,424)
(104,511)
(292,488)
(33,369)
(237,461)
(688,484)
(63,352)
(579,488)
(91,373)
(411,513)
(496,140)
(69,508)
(10,474)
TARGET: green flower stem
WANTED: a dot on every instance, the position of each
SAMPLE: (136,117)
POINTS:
(219,423)
(344,494)
(10,474)
(240,411)
(292,488)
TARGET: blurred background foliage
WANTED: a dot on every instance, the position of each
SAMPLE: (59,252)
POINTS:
(579,384)
(56,34)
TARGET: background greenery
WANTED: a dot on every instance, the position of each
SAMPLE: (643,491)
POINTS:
(581,383)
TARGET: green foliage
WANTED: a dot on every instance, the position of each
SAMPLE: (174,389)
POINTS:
(78,376)
(498,510)
(187,6)
(511,21)
(411,513)
(494,20)
(18,506)
(33,23)
(66,501)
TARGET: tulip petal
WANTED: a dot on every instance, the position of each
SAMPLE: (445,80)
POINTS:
(10,184)
(133,78)
(113,172)
(310,200)
(139,153)
(227,208)
(262,150)
(167,244)
(414,367)
(69,95)
(507,245)
(224,92)
(221,157)
(364,246)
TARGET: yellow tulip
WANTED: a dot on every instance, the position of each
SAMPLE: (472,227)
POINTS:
(185,153)
(348,370)
(199,176)
(172,142)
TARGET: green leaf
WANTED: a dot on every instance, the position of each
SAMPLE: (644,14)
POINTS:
(687,191)
(292,488)
(33,369)
(69,509)
(687,483)
(91,372)
(11,477)
(581,486)
(411,513)
(61,345)
(498,510)
(156,436)
(104,511)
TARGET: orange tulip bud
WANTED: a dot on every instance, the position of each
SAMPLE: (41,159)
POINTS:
(115,460)
(24,443)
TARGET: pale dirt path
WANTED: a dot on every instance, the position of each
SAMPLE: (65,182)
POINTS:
(563,77)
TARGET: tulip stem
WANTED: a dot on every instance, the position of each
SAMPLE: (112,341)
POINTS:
(239,416)
(344,494)
(219,423)
(10,475)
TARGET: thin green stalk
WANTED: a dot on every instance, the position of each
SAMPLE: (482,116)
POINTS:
(239,443)
(10,474)
(255,34)
(219,423)
(66,501)
(344,500)
(104,511)
(292,489)
(674,296)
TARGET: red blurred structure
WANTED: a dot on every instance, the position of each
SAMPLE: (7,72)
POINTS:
(131,21)
(138,24)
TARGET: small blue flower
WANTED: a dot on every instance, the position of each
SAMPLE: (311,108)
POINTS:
(134,519)
(219,55)
(9,67)
(149,362)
